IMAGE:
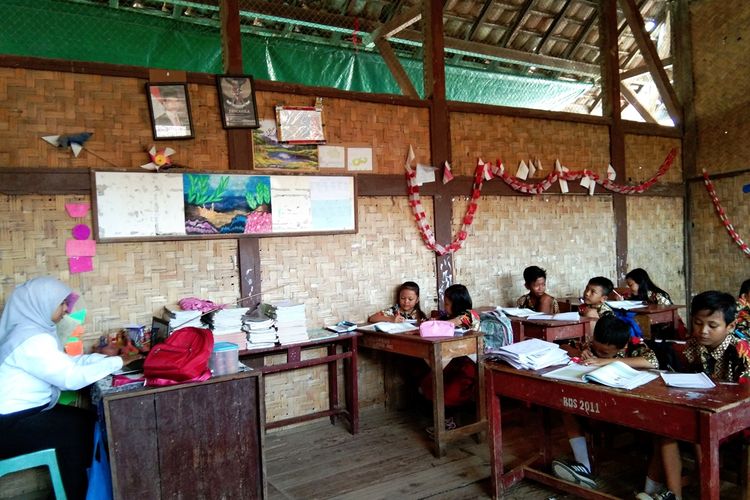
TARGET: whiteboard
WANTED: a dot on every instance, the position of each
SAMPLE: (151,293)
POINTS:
(146,205)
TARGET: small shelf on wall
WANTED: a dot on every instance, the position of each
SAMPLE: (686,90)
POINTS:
(138,206)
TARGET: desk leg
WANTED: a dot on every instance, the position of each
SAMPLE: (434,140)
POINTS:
(709,466)
(351,386)
(333,383)
(495,437)
(481,410)
(438,400)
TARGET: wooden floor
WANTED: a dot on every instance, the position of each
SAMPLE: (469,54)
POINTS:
(390,458)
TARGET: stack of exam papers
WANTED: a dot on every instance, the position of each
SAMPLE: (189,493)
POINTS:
(688,380)
(533,354)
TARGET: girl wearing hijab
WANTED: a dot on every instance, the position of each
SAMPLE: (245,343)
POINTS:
(34,369)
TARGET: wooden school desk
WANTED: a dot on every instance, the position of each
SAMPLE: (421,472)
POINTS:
(550,330)
(437,352)
(659,314)
(348,353)
(698,416)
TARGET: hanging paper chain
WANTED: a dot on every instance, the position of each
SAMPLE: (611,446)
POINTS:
(486,171)
(722,214)
(428,236)
(554,176)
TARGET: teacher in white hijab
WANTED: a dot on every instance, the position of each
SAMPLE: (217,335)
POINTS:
(34,369)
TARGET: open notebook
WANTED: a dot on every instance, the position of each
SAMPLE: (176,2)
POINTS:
(616,374)
(387,327)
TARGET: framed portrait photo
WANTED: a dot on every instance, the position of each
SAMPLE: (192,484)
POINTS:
(237,101)
(169,107)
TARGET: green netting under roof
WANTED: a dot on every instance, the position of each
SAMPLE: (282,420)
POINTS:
(98,33)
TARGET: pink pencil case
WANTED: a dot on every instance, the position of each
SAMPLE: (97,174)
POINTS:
(435,328)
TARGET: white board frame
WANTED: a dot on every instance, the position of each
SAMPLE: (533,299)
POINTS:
(130,205)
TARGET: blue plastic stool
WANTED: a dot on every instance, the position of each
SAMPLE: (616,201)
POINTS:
(36,459)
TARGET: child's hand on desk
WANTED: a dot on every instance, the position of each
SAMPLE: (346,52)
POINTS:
(398,318)
(594,361)
(109,349)
(128,358)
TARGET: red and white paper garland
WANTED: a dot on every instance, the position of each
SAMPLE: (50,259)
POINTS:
(722,214)
(485,171)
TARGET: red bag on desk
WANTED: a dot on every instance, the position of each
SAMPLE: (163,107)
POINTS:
(183,357)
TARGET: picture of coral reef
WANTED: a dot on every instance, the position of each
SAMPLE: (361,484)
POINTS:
(227,204)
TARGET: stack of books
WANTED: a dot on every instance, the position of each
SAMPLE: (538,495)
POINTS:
(180,318)
(291,322)
(227,326)
(533,354)
(260,329)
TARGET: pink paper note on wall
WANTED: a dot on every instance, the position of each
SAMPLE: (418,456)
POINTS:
(80,264)
(80,248)
(77,209)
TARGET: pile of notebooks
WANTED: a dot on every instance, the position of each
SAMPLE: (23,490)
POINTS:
(260,329)
(533,354)
(227,326)
(291,322)
(180,318)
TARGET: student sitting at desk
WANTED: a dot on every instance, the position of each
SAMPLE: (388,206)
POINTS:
(535,281)
(33,371)
(595,298)
(459,377)
(742,330)
(612,342)
(406,307)
(642,288)
(712,349)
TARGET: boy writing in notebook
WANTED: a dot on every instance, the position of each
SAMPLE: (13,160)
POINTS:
(612,342)
(715,351)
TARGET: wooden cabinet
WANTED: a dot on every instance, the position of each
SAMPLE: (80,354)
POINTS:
(197,441)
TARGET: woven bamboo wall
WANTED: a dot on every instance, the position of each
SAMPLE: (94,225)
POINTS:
(718,263)
(721,68)
(572,237)
(339,277)
(131,281)
(660,252)
(38,103)
(644,155)
(513,139)
(388,129)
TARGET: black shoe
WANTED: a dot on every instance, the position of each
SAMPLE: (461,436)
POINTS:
(573,472)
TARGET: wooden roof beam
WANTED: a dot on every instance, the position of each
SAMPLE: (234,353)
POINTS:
(633,100)
(651,58)
(640,70)
(479,20)
(397,70)
(510,34)
(555,22)
(397,24)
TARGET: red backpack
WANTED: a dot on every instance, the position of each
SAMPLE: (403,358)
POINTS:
(182,357)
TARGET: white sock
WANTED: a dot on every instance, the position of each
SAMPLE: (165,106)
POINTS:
(652,486)
(580,451)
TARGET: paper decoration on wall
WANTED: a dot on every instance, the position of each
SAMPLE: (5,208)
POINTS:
(532,169)
(723,216)
(523,171)
(409,159)
(80,250)
(74,141)
(538,165)
(160,158)
(359,159)
(77,210)
(331,156)
(611,174)
(425,174)
(487,171)
(447,173)
(561,174)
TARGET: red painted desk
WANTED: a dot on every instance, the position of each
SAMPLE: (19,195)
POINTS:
(658,314)
(676,413)
(550,330)
(348,353)
(437,352)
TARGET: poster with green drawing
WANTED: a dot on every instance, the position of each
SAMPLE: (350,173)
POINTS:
(227,204)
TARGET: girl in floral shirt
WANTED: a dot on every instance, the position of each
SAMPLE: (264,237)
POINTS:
(642,288)
(742,329)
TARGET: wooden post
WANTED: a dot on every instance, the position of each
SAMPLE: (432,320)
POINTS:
(611,109)
(440,137)
(240,149)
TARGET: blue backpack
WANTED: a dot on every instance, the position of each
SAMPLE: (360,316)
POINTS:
(497,330)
